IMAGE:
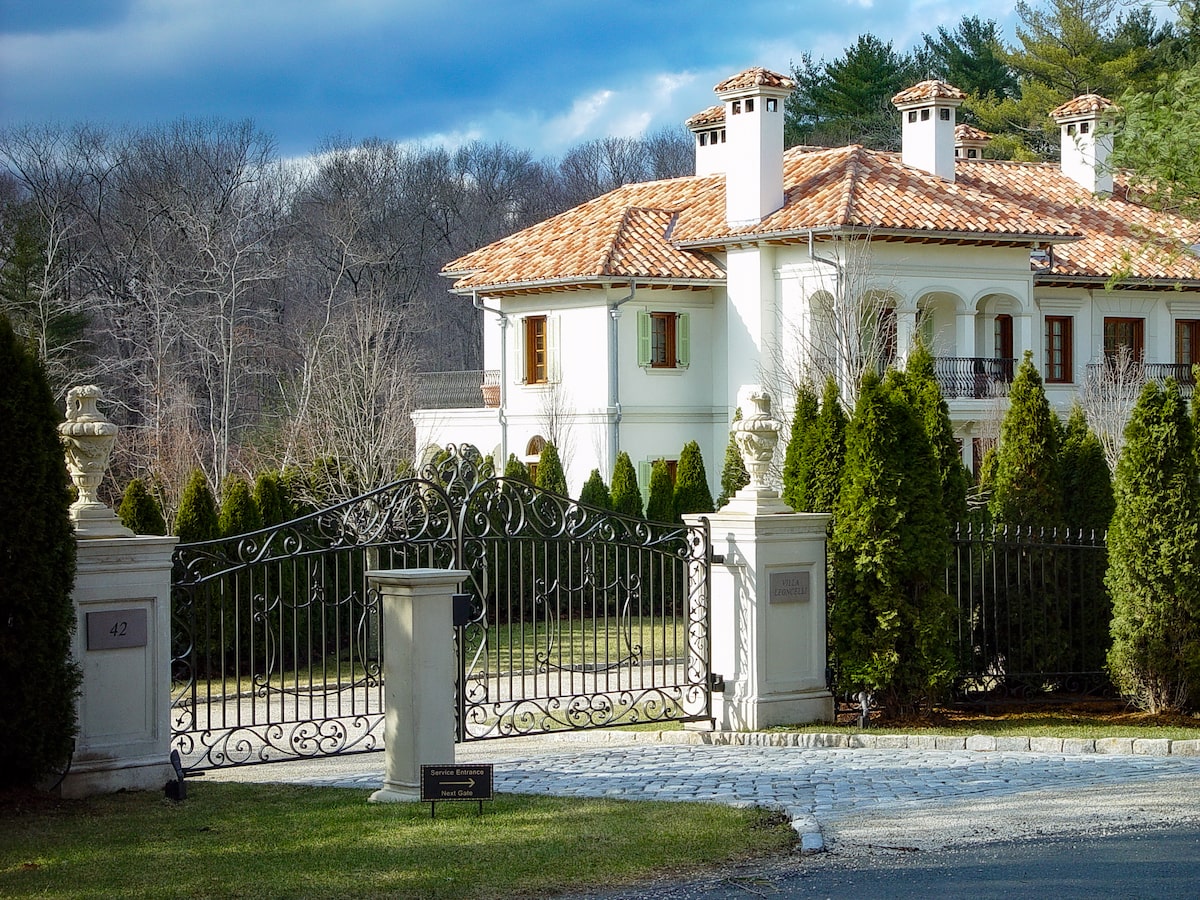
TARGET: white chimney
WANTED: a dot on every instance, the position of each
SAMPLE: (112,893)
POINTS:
(1086,144)
(927,136)
(709,128)
(753,102)
(969,142)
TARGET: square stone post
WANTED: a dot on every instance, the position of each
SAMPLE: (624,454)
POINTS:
(123,645)
(418,675)
(768,619)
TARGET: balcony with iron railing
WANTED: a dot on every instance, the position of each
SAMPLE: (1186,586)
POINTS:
(1119,374)
(973,377)
(470,389)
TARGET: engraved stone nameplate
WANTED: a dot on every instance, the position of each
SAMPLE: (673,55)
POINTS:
(115,629)
(791,587)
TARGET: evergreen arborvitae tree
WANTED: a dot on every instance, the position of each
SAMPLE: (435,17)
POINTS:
(1026,488)
(691,482)
(595,492)
(515,470)
(827,452)
(139,510)
(626,495)
(890,619)
(239,513)
(934,414)
(1154,557)
(660,507)
(734,476)
(550,475)
(196,519)
(1087,489)
(796,461)
(271,499)
(38,679)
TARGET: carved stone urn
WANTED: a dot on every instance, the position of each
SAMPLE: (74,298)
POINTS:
(756,437)
(88,438)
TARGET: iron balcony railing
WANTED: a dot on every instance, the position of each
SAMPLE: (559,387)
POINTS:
(1134,375)
(471,389)
(973,377)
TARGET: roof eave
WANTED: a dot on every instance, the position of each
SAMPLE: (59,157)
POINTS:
(802,234)
(584,282)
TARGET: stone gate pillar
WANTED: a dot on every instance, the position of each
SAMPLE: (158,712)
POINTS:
(418,675)
(768,596)
(122,636)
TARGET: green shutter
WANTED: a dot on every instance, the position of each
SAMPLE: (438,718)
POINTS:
(644,469)
(643,334)
(683,340)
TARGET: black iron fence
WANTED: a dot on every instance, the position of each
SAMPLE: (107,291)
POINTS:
(973,377)
(469,389)
(1033,611)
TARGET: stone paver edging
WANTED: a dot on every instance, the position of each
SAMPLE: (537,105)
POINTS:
(868,741)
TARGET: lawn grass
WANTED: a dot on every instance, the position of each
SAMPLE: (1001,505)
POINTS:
(261,841)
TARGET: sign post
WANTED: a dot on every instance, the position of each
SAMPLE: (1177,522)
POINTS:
(456,783)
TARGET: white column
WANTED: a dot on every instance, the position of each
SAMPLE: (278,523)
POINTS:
(906,329)
(123,645)
(418,675)
(964,338)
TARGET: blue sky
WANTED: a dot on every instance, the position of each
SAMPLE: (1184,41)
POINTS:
(539,74)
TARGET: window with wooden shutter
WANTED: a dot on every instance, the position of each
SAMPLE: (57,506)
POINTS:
(1058,349)
(536,347)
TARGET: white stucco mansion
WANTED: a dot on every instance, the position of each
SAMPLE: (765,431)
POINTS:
(631,321)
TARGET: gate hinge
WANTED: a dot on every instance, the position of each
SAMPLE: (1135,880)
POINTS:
(716,683)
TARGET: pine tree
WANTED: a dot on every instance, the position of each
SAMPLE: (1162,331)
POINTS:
(827,452)
(734,476)
(890,619)
(691,482)
(515,470)
(196,519)
(139,511)
(38,679)
(1026,488)
(1154,557)
(595,492)
(934,414)
(661,505)
(626,495)
(550,475)
(797,460)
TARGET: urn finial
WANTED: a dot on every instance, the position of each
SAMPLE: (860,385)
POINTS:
(88,438)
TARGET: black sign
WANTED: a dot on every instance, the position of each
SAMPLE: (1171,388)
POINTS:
(115,629)
(467,782)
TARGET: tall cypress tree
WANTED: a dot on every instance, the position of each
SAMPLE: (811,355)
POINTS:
(734,476)
(1086,483)
(38,679)
(827,452)
(196,519)
(550,475)
(691,482)
(1154,557)
(934,414)
(890,619)
(139,510)
(516,470)
(1026,488)
(797,460)
(271,498)
(595,492)
(660,507)
(239,513)
(626,494)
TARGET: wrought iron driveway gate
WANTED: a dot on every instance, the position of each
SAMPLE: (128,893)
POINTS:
(580,618)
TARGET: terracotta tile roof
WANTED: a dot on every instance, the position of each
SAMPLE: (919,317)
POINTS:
(1119,235)
(755,77)
(1082,106)
(928,90)
(714,115)
(965,132)
(658,230)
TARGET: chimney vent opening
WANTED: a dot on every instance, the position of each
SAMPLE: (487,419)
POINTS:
(924,115)
(749,104)
(1084,127)
(772,104)
(737,107)
(912,115)
(944,114)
